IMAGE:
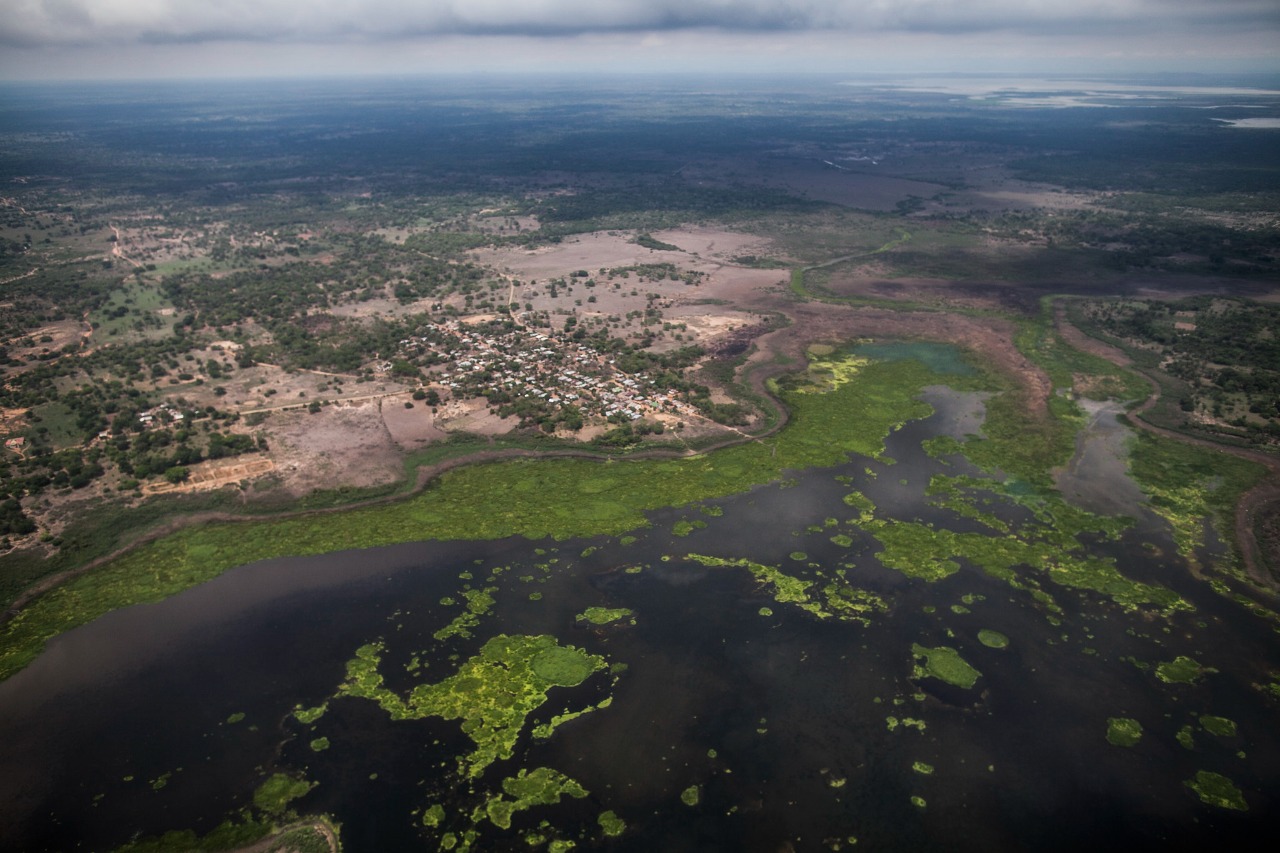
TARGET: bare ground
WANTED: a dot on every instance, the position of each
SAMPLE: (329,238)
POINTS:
(346,443)
(214,475)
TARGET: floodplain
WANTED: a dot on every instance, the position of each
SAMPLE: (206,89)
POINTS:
(597,468)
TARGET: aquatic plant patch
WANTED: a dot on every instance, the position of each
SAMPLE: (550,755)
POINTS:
(492,693)
(945,664)
(1123,731)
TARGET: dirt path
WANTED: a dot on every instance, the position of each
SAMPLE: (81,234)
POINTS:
(33,271)
(1263,499)
(117,252)
(511,302)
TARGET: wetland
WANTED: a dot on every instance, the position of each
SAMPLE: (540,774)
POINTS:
(424,464)
(859,642)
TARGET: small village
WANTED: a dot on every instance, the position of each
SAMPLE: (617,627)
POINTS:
(550,371)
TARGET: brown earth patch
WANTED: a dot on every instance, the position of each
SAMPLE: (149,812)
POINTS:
(213,475)
(342,444)
(410,428)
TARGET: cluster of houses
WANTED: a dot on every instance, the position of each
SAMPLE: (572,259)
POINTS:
(164,413)
(550,369)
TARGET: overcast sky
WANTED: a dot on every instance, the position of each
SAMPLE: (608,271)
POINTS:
(220,38)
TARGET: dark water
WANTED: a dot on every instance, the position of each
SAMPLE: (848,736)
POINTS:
(793,709)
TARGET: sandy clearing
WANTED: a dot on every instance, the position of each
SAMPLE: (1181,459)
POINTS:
(735,283)
(345,444)
(587,252)
(410,428)
(714,243)
(472,416)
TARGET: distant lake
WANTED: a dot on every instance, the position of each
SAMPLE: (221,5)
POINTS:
(778,727)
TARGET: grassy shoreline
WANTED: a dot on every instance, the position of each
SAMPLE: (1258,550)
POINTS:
(545,495)
(535,498)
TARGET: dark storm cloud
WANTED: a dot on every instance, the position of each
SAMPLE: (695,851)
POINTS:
(71,22)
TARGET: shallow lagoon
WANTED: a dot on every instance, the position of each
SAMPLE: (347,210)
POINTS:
(791,727)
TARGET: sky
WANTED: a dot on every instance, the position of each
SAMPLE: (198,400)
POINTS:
(169,39)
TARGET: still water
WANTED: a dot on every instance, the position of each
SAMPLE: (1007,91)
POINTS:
(795,732)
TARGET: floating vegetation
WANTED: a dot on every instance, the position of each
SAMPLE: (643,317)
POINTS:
(828,371)
(492,693)
(842,601)
(1220,726)
(611,825)
(691,795)
(947,492)
(320,744)
(922,768)
(541,786)
(1182,670)
(929,554)
(908,722)
(1214,789)
(1123,731)
(1186,737)
(945,664)
(1270,688)
(307,716)
(545,730)
(918,802)
(604,615)
(684,527)
(992,639)
(942,445)
(274,795)
(235,718)
(1187,484)
(479,603)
